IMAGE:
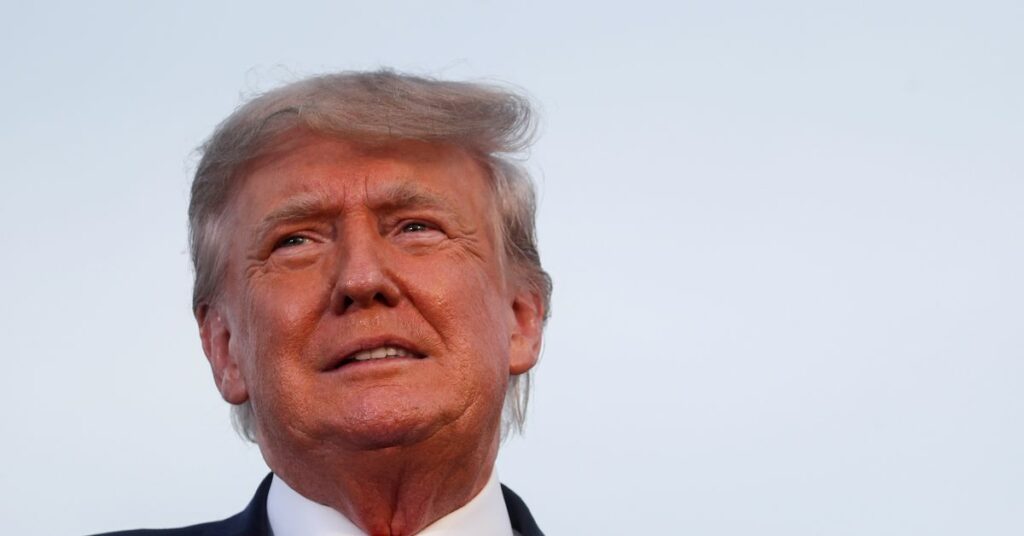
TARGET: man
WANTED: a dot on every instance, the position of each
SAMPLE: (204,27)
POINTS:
(370,299)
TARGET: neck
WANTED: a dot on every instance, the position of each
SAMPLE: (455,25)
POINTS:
(393,491)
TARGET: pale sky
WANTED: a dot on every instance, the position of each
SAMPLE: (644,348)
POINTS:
(785,238)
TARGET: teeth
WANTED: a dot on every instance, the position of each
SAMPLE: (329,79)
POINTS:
(380,353)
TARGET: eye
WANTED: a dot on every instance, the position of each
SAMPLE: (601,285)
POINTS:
(291,241)
(415,227)
(418,233)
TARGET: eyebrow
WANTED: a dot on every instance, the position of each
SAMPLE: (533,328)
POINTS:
(317,205)
(409,194)
(305,206)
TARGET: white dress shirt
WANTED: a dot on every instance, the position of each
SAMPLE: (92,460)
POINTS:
(292,514)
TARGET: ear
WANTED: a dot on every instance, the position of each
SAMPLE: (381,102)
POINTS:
(216,336)
(527,331)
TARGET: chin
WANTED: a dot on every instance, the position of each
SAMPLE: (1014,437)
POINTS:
(373,424)
(381,437)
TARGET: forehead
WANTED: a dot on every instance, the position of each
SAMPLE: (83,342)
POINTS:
(314,168)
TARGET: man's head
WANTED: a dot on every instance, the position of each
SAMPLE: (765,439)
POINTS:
(353,215)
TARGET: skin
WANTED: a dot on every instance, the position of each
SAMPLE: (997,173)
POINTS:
(336,247)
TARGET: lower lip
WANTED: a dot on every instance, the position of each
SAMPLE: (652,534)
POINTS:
(377,363)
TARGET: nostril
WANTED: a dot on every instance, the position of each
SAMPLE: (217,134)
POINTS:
(373,290)
(380,298)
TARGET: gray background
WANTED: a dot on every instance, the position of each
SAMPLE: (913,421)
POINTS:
(785,239)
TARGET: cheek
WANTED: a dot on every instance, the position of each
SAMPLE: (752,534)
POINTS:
(471,316)
(282,315)
(281,312)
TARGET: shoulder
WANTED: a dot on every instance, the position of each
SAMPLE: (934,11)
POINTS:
(219,528)
(250,522)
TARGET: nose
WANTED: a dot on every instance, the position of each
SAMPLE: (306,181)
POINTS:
(365,279)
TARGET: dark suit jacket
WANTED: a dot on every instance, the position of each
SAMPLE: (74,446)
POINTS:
(253,520)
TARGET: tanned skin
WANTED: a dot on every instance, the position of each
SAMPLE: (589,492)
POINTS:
(336,248)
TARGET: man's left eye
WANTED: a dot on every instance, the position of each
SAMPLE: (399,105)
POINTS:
(291,241)
(415,227)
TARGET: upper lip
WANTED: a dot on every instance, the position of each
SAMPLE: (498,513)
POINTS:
(350,349)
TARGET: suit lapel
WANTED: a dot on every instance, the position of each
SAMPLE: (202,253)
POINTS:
(522,521)
(252,521)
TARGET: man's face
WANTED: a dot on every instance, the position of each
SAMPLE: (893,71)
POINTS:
(366,301)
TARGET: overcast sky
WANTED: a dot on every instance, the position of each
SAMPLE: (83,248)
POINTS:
(785,238)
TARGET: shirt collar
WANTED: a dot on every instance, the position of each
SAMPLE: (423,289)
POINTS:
(292,514)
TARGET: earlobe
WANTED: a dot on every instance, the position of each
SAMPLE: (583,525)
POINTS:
(527,333)
(216,337)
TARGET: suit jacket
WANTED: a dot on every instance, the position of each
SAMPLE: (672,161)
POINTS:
(253,520)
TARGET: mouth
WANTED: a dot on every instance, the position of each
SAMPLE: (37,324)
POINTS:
(377,353)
